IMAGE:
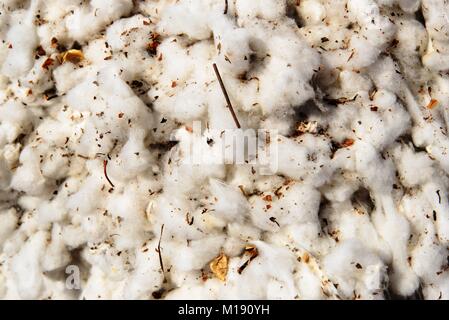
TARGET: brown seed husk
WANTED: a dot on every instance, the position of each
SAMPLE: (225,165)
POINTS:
(73,55)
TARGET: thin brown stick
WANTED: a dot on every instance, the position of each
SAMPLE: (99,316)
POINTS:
(105,164)
(159,250)
(226,7)
(225,93)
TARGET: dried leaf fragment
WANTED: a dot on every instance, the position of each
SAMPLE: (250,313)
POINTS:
(47,63)
(268,198)
(73,55)
(347,143)
(153,44)
(219,266)
(252,252)
(432,104)
(306,257)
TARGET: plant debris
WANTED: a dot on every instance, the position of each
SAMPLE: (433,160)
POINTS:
(432,104)
(252,252)
(105,164)
(73,55)
(159,252)
(219,266)
(47,63)
(153,44)
(225,93)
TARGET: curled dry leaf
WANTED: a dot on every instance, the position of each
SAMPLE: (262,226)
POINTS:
(219,266)
(73,55)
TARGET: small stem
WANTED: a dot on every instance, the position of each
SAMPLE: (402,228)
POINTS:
(105,164)
(228,101)
(159,250)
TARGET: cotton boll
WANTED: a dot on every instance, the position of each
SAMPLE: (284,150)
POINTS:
(437,197)
(283,123)
(133,158)
(311,11)
(362,53)
(352,266)
(187,71)
(353,82)
(427,256)
(412,36)
(341,189)
(231,204)
(22,39)
(348,221)
(129,208)
(176,63)
(296,203)
(67,76)
(197,26)
(128,31)
(110,119)
(187,162)
(56,255)
(435,13)
(8,223)
(285,72)
(99,287)
(302,158)
(147,277)
(379,173)
(427,259)
(171,212)
(86,198)
(440,91)
(194,256)
(390,121)
(243,232)
(384,75)
(232,46)
(390,224)
(265,9)
(51,211)
(309,284)
(272,263)
(113,265)
(53,133)
(187,105)
(74,236)
(409,5)
(26,267)
(414,168)
(436,62)
(15,119)
(439,292)
(85,21)
(28,176)
(55,165)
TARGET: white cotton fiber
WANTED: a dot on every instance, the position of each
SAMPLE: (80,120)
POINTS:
(21,39)
(266,9)
(209,149)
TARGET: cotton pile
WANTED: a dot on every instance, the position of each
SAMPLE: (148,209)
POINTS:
(100,107)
